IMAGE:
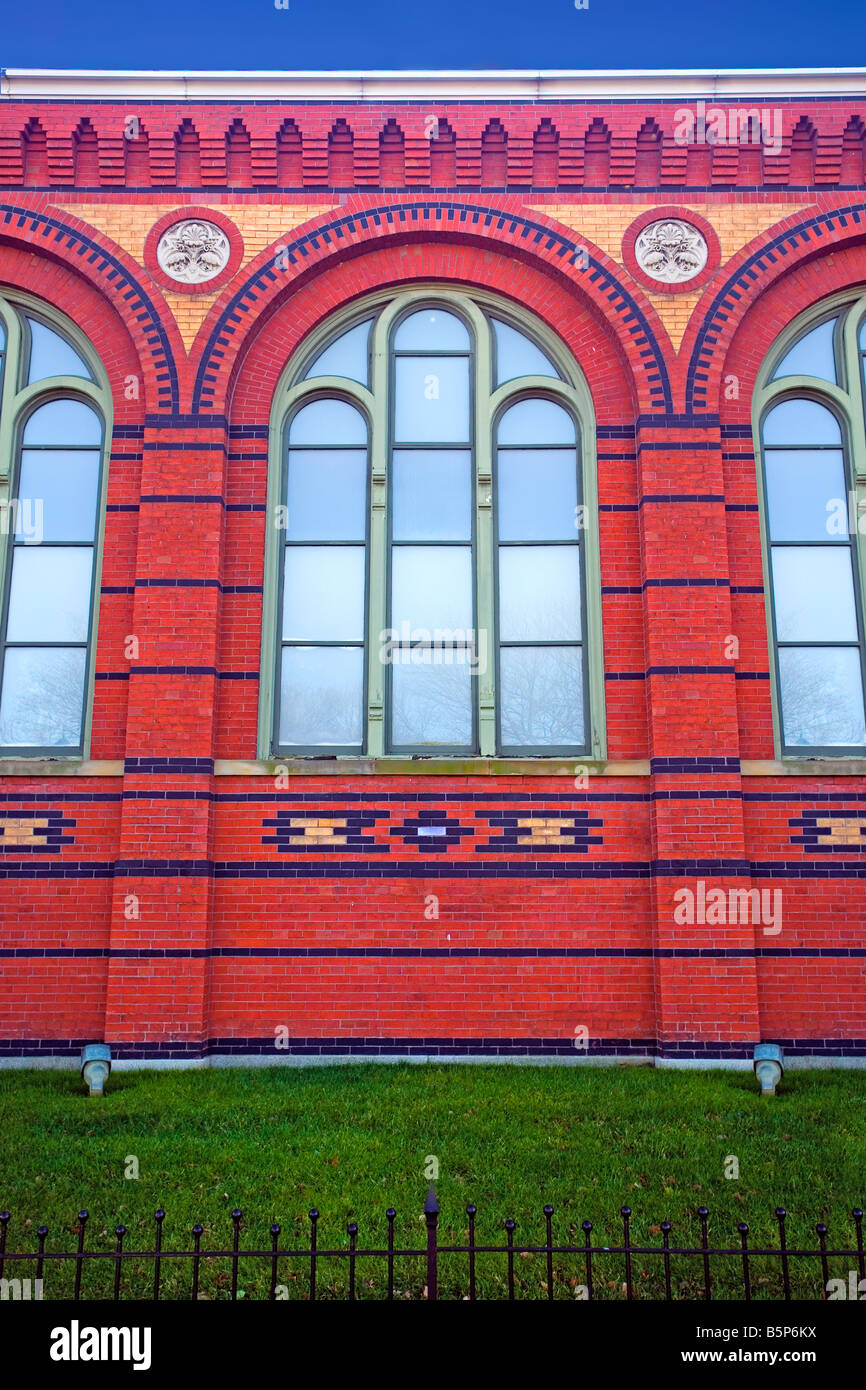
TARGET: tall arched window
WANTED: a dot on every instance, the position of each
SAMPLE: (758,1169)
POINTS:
(54,413)
(434,559)
(809,423)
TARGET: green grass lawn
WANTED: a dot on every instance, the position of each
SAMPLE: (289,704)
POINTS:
(355,1140)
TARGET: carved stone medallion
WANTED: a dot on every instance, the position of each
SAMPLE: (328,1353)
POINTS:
(193,251)
(671,251)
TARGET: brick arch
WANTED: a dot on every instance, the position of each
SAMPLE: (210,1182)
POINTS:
(60,287)
(789,245)
(282,332)
(550,248)
(788,297)
(57,237)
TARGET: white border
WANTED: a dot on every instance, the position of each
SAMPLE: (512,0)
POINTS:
(419,85)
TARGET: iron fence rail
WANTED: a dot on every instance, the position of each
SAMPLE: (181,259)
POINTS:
(313,1254)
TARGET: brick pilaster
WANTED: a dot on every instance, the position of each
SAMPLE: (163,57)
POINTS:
(162,887)
(697,822)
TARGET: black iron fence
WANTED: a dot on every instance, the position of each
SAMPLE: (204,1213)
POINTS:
(586,1258)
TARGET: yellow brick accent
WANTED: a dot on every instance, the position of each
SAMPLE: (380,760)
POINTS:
(129,224)
(17,831)
(317,832)
(735,225)
(545,830)
(843,831)
(262,224)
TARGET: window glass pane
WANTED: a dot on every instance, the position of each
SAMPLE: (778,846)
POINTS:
(431,587)
(541,697)
(57,495)
(323,594)
(432,704)
(63,422)
(432,495)
(49,596)
(539,593)
(2,335)
(432,399)
(801,422)
(327,495)
(536,422)
(42,699)
(814,593)
(51,355)
(322,696)
(328,422)
(537,494)
(345,357)
(811,356)
(517,355)
(822,697)
(806,494)
(431,330)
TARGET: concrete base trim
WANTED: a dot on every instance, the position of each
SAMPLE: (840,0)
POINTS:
(822,1062)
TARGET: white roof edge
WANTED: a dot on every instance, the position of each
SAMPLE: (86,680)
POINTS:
(383,85)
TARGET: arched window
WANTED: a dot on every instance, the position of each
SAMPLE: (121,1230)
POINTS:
(809,423)
(53,425)
(434,560)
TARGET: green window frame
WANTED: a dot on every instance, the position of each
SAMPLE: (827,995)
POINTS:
(375,398)
(47,647)
(812,500)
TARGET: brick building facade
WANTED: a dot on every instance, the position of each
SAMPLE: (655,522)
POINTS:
(181,881)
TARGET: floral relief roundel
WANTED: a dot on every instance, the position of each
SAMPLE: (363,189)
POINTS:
(671,251)
(193,251)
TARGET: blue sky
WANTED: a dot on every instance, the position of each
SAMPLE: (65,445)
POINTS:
(432,33)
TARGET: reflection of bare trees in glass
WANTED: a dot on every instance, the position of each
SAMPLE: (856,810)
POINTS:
(541,696)
(820,708)
(432,702)
(321,716)
(43,694)
(541,688)
(541,693)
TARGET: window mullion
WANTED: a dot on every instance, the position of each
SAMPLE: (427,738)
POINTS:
(377,557)
(485,557)
(856,473)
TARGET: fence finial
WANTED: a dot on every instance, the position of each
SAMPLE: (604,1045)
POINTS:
(431,1206)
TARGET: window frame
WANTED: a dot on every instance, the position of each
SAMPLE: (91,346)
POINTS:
(540,750)
(418,305)
(475,308)
(18,402)
(335,750)
(846,401)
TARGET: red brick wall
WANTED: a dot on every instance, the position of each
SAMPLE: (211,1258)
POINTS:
(176,919)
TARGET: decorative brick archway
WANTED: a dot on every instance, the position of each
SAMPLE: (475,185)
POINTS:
(539,241)
(59,237)
(786,247)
